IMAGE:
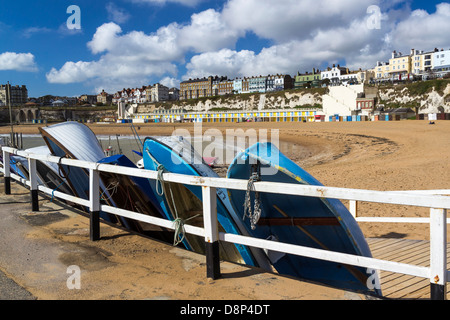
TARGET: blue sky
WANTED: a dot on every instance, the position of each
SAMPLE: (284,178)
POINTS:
(131,43)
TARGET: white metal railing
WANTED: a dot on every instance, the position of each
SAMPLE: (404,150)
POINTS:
(437,203)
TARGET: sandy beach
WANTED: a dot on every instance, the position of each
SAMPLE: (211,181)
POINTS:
(401,155)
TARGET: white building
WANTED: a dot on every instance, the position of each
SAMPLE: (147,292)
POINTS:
(17,95)
(139,95)
(342,100)
(421,61)
(441,62)
(157,93)
(334,74)
(237,86)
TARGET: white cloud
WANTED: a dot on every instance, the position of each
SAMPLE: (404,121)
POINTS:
(117,14)
(170,82)
(29,32)
(208,32)
(299,34)
(358,45)
(223,62)
(421,30)
(137,55)
(287,20)
(188,3)
(127,59)
(17,62)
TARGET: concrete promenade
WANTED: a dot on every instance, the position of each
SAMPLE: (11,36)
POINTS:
(47,255)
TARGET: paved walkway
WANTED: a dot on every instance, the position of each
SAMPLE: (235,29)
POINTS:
(48,255)
(10,290)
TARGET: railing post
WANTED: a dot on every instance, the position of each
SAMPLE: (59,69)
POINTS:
(209,197)
(438,254)
(94,198)
(7,172)
(353,208)
(33,184)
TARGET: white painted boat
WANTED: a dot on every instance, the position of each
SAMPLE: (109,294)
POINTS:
(76,141)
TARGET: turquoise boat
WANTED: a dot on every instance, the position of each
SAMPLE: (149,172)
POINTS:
(176,155)
(306,221)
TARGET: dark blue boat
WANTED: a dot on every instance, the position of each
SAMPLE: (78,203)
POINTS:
(134,194)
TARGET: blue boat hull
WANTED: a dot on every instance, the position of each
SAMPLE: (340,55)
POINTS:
(344,235)
(157,153)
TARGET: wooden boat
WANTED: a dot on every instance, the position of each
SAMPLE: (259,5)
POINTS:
(177,155)
(307,221)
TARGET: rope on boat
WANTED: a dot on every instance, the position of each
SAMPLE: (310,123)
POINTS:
(256,214)
(53,191)
(61,169)
(178,222)
(111,188)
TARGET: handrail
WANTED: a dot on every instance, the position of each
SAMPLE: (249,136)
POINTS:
(439,204)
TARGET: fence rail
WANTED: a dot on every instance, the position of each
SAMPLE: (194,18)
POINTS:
(434,200)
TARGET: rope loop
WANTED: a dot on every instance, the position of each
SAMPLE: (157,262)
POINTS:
(61,170)
(160,181)
(179,229)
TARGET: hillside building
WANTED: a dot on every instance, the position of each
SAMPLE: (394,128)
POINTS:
(312,80)
(17,95)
